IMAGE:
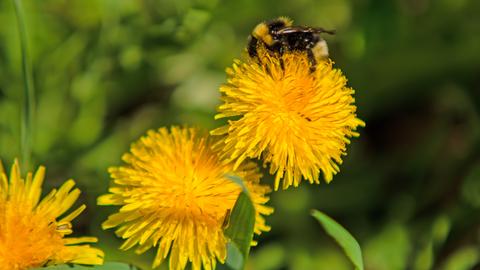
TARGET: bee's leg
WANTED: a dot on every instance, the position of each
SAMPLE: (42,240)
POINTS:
(281,51)
(252,47)
(312,61)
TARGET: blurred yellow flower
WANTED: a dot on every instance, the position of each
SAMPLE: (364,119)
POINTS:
(175,196)
(296,119)
(30,234)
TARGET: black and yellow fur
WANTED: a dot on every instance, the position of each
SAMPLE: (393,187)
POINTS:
(280,36)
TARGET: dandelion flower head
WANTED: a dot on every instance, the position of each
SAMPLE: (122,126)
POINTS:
(32,234)
(174,195)
(297,119)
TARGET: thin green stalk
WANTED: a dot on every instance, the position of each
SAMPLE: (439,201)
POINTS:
(29,91)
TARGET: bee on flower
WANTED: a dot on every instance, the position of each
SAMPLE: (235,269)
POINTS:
(287,105)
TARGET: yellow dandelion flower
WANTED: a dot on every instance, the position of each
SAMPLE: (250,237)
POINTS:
(175,196)
(296,119)
(31,233)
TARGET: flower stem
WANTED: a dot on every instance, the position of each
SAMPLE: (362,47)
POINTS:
(29,91)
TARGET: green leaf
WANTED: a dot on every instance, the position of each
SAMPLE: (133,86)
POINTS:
(239,181)
(240,229)
(462,259)
(106,266)
(425,256)
(389,249)
(471,187)
(440,230)
(349,245)
(270,256)
(424,259)
(235,258)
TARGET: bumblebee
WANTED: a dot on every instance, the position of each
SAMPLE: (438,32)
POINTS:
(280,35)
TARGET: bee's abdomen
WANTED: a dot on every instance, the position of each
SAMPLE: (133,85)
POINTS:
(300,41)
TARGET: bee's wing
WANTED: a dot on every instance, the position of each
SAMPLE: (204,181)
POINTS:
(304,29)
(322,30)
(295,29)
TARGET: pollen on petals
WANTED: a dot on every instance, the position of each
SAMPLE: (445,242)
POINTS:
(174,195)
(297,120)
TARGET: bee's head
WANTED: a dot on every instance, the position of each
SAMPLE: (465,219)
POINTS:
(279,23)
(266,31)
(262,32)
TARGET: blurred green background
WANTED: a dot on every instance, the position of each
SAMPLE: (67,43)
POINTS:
(409,189)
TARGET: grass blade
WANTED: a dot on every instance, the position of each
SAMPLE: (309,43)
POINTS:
(29,92)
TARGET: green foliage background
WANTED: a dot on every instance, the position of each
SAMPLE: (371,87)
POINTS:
(409,189)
